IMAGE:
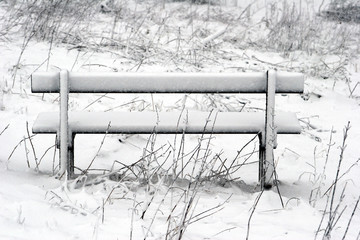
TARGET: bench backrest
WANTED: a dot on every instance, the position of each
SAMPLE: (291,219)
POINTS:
(49,82)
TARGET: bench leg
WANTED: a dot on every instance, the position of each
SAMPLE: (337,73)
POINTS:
(70,163)
(269,168)
(261,165)
(266,164)
(66,138)
(268,137)
(266,170)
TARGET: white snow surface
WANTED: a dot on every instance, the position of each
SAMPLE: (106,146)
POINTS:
(34,204)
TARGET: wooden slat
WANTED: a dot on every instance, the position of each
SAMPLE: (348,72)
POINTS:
(167,122)
(48,82)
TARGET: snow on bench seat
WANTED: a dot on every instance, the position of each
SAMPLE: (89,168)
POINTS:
(166,122)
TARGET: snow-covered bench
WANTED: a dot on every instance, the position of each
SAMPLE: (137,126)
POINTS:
(267,125)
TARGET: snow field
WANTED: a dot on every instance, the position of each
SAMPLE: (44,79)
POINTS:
(35,205)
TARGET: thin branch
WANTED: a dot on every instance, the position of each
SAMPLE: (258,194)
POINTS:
(32,146)
(26,154)
(339,166)
(252,212)
(7,126)
(352,215)
(200,216)
(342,175)
(97,153)
(46,152)
(12,152)
(104,95)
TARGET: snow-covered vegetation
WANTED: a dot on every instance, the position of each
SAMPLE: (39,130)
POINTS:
(182,187)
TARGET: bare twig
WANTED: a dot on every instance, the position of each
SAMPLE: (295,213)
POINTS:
(97,153)
(257,199)
(76,59)
(342,175)
(7,126)
(208,212)
(225,230)
(32,146)
(352,215)
(322,217)
(352,90)
(100,65)
(132,217)
(239,152)
(46,151)
(339,166)
(50,47)
(26,154)
(12,152)
(125,104)
(104,95)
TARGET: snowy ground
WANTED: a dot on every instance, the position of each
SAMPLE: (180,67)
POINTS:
(36,205)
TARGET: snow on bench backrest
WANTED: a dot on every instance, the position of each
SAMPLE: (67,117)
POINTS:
(48,82)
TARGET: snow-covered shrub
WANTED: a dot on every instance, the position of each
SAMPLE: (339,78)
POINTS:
(289,30)
(48,20)
(343,11)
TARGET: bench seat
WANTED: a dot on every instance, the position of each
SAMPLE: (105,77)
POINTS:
(167,122)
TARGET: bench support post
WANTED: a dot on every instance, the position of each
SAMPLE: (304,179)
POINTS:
(70,162)
(65,141)
(268,138)
(261,160)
